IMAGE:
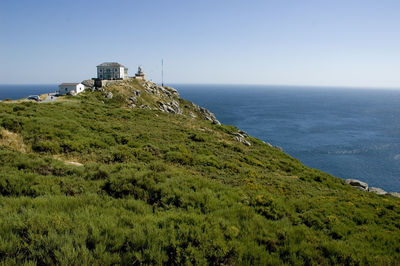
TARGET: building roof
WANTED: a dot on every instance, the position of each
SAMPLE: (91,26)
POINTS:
(69,84)
(110,64)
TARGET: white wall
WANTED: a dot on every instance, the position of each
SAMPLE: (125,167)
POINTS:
(62,90)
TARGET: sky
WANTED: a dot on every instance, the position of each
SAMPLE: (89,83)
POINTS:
(354,43)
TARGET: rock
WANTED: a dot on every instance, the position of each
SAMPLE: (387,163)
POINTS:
(245,142)
(109,95)
(377,190)
(394,194)
(192,115)
(278,148)
(88,83)
(172,90)
(172,107)
(145,107)
(209,116)
(357,183)
(239,138)
(244,133)
(267,143)
(133,99)
(137,93)
(237,134)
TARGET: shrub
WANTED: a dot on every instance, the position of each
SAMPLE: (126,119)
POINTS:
(46,146)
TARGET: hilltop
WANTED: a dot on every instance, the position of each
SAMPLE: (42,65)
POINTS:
(134,174)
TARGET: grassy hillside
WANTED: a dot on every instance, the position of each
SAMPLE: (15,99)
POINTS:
(93,180)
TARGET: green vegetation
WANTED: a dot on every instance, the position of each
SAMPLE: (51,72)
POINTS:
(158,188)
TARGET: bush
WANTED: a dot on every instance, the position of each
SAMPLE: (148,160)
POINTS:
(11,124)
(46,146)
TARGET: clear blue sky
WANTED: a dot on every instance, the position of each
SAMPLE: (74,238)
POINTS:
(329,42)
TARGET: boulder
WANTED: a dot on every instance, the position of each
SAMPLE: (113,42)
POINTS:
(394,194)
(209,116)
(377,190)
(109,95)
(145,107)
(240,138)
(357,183)
(244,133)
(133,99)
(88,83)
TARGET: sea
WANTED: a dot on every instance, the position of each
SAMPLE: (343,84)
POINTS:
(346,132)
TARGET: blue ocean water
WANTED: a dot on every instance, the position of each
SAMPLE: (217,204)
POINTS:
(349,133)
(15,92)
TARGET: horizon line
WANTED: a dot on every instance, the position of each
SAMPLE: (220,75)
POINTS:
(244,84)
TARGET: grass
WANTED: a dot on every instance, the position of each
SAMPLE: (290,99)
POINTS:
(157,188)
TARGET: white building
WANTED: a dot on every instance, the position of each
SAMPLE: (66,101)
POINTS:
(70,88)
(112,70)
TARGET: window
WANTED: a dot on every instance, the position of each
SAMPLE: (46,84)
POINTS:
(101,76)
(115,70)
(101,70)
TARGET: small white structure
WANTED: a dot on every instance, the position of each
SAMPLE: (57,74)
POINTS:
(70,88)
(112,70)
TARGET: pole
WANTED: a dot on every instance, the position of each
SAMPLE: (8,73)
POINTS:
(162,72)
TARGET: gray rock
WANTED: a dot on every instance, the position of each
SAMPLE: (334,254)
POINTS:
(172,107)
(133,99)
(209,116)
(237,134)
(109,95)
(145,107)
(239,138)
(357,183)
(394,194)
(137,93)
(377,190)
(245,142)
(88,83)
(267,143)
(244,133)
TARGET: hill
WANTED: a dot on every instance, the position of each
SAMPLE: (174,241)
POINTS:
(133,174)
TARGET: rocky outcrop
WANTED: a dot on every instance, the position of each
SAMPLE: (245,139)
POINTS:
(358,184)
(170,107)
(89,83)
(394,194)
(241,138)
(206,114)
(364,187)
(377,190)
(152,88)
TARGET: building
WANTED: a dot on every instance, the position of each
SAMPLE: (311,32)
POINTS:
(140,74)
(70,88)
(112,70)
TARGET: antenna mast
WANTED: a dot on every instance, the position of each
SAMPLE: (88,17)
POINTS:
(162,72)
